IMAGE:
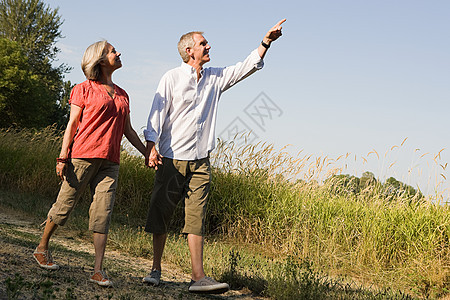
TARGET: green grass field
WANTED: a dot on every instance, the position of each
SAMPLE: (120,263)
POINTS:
(273,225)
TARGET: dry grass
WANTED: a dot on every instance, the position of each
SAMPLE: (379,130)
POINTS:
(282,210)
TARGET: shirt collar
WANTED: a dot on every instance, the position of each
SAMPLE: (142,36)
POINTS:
(189,69)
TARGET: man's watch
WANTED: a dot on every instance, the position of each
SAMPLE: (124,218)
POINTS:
(265,45)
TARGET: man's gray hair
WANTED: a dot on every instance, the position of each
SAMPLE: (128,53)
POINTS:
(187,41)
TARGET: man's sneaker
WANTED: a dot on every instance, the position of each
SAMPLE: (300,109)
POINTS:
(101,279)
(45,260)
(207,285)
(153,278)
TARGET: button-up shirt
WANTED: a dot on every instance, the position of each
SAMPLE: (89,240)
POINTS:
(183,116)
(102,123)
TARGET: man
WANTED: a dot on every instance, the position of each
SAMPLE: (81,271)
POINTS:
(182,123)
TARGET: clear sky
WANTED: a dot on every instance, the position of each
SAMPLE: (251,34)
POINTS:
(345,77)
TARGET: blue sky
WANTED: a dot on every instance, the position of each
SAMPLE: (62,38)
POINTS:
(345,77)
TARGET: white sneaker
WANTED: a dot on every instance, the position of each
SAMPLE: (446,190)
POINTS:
(207,285)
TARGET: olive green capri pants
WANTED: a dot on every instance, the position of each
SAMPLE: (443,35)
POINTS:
(101,175)
(178,180)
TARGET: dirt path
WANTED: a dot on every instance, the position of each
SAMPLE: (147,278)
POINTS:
(18,238)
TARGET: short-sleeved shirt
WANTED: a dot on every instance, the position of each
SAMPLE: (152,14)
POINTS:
(102,121)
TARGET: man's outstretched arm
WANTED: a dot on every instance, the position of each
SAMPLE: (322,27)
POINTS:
(273,34)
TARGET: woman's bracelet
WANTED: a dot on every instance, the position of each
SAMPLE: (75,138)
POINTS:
(62,160)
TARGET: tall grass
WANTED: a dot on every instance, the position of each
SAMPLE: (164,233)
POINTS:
(277,207)
(28,160)
(26,157)
(392,241)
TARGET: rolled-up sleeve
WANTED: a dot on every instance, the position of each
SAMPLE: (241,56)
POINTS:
(158,111)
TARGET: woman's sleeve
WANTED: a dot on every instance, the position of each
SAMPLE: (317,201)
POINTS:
(77,96)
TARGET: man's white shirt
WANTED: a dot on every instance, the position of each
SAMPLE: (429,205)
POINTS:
(182,119)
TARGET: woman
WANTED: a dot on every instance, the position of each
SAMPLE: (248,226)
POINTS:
(90,152)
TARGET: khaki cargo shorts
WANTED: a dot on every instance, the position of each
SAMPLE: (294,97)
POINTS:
(178,180)
(101,175)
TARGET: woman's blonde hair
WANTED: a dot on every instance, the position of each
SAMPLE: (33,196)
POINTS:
(186,41)
(90,64)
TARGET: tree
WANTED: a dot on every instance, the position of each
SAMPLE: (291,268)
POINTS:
(22,94)
(61,108)
(343,184)
(367,179)
(34,27)
(349,185)
(393,187)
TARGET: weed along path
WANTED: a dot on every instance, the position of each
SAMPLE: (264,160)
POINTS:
(22,278)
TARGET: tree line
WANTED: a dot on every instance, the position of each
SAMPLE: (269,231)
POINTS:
(392,188)
(33,92)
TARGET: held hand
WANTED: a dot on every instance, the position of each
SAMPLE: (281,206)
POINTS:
(152,157)
(154,160)
(274,33)
(61,170)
